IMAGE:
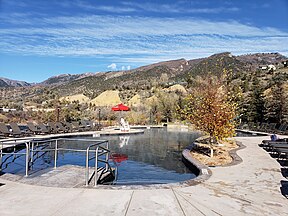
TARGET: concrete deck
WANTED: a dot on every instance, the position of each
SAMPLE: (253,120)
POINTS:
(249,188)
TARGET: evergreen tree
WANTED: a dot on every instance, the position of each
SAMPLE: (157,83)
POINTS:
(276,102)
(255,106)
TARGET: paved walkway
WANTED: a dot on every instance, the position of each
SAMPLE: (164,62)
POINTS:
(249,188)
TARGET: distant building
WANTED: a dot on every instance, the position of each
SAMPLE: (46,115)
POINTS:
(263,67)
(6,110)
(285,63)
(269,67)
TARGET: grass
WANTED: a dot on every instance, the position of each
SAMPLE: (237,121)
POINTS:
(107,98)
(78,97)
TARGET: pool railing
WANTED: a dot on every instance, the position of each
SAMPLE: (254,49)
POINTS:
(32,150)
(13,144)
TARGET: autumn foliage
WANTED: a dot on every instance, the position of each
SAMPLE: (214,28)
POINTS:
(210,108)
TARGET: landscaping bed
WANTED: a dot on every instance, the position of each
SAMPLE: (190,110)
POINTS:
(221,152)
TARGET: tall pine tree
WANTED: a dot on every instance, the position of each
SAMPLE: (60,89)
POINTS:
(255,105)
(276,102)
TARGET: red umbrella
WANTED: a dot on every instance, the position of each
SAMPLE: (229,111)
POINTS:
(120,107)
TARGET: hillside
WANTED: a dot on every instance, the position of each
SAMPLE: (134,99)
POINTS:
(4,82)
(79,97)
(261,59)
(160,87)
(63,78)
(106,98)
(175,71)
(143,79)
(94,85)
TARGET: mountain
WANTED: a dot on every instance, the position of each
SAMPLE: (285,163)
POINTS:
(174,71)
(262,58)
(114,79)
(137,79)
(175,66)
(144,79)
(62,78)
(214,64)
(254,60)
(4,82)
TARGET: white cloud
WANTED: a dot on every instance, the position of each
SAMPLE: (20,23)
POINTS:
(112,66)
(177,8)
(84,5)
(116,9)
(122,40)
(126,68)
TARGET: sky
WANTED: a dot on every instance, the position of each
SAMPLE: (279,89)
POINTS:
(40,39)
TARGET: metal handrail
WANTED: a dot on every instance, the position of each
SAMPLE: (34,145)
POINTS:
(30,152)
(27,158)
(97,154)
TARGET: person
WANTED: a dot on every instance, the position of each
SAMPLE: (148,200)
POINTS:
(274,137)
(122,122)
(124,125)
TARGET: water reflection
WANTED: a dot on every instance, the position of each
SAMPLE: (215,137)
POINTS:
(123,141)
(156,147)
(153,157)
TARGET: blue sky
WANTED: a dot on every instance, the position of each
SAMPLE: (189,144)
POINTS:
(40,39)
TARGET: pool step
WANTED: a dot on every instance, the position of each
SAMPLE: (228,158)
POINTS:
(107,176)
(104,177)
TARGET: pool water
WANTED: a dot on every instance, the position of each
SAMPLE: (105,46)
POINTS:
(153,157)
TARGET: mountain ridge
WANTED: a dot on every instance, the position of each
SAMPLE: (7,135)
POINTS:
(178,69)
(5,82)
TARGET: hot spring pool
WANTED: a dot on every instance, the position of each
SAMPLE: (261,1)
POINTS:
(153,157)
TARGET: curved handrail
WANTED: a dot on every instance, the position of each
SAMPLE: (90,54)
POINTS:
(104,151)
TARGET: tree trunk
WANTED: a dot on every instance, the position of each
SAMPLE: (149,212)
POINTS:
(211,146)
(211,151)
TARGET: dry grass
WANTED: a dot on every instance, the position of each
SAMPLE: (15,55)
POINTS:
(221,153)
(3,118)
(177,87)
(78,97)
(107,98)
(135,100)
